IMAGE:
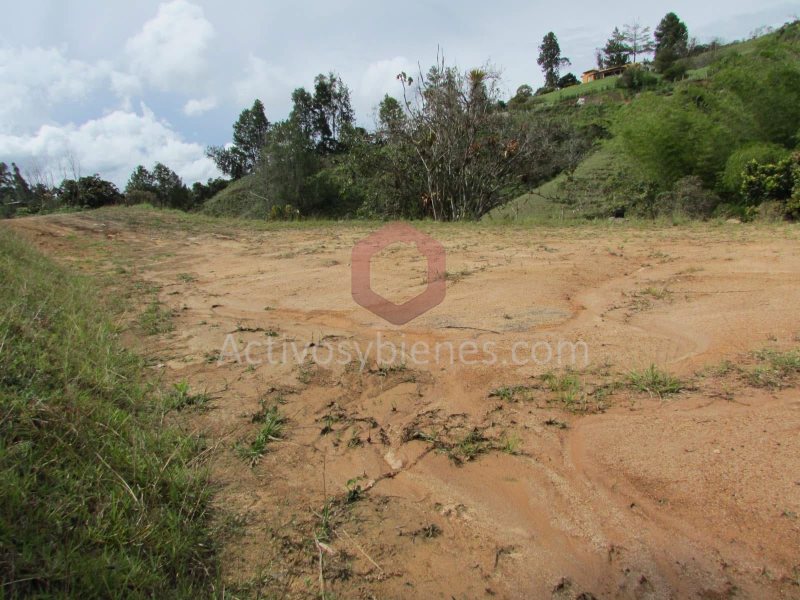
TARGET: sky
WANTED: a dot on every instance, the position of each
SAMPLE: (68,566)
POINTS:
(100,86)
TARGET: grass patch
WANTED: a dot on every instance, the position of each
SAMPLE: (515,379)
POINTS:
(655,381)
(156,320)
(181,396)
(97,497)
(272,429)
(776,368)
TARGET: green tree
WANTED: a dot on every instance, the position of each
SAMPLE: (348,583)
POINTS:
(672,43)
(324,116)
(615,52)
(141,180)
(88,192)
(550,60)
(638,40)
(567,80)
(169,188)
(249,135)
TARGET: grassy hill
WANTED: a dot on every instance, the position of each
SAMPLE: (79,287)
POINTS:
(673,136)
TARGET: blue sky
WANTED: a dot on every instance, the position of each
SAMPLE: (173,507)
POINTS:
(101,86)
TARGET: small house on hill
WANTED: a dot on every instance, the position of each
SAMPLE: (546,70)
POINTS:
(595,74)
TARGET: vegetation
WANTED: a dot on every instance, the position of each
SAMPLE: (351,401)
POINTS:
(97,497)
(702,131)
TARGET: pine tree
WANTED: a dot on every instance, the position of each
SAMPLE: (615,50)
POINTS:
(672,42)
(615,53)
(550,60)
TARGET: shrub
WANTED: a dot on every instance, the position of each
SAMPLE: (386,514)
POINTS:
(140,197)
(636,79)
(733,176)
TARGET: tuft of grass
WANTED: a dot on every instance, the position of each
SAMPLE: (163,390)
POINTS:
(156,319)
(469,447)
(776,368)
(509,393)
(567,388)
(181,396)
(655,381)
(272,427)
(510,444)
(657,293)
(97,497)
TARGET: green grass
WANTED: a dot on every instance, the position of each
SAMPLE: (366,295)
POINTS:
(98,499)
(576,91)
(155,319)
(776,368)
(655,381)
(272,429)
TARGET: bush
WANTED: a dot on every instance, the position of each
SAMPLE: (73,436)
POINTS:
(636,79)
(733,176)
(778,181)
(140,197)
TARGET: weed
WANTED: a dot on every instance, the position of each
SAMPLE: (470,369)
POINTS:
(510,444)
(354,491)
(180,397)
(556,423)
(657,293)
(509,393)
(468,447)
(186,277)
(155,319)
(654,381)
(271,430)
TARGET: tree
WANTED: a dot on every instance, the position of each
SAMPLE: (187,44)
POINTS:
(7,196)
(169,188)
(466,156)
(323,116)
(249,135)
(672,43)
(550,60)
(615,53)
(141,180)
(203,191)
(638,40)
(88,192)
(567,80)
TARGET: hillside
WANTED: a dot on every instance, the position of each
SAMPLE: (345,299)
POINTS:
(734,98)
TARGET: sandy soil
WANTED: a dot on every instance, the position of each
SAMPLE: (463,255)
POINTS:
(600,491)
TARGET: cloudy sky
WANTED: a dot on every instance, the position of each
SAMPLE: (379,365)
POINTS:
(103,85)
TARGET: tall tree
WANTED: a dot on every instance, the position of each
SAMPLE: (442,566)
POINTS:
(169,187)
(141,180)
(325,115)
(550,60)
(615,53)
(249,136)
(672,42)
(638,40)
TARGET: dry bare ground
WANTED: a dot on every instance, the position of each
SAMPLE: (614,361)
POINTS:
(406,480)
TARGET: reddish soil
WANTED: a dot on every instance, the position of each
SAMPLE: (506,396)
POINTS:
(600,490)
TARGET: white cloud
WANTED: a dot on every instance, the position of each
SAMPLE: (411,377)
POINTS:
(170,50)
(112,146)
(198,106)
(32,80)
(379,79)
(261,80)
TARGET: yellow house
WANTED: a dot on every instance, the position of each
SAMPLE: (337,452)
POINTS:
(595,74)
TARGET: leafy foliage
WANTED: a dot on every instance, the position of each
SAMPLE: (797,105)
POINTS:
(550,60)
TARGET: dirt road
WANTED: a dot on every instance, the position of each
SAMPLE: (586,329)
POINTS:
(584,479)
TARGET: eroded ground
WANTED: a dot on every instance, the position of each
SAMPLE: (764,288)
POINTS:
(405,480)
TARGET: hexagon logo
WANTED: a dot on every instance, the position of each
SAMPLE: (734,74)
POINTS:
(363,294)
